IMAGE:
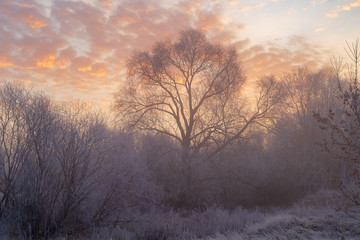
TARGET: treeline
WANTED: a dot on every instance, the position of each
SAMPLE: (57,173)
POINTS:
(64,170)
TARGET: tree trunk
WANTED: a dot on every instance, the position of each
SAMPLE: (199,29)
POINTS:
(186,181)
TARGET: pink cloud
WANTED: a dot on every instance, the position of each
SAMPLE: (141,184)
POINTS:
(80,48)
(279,56)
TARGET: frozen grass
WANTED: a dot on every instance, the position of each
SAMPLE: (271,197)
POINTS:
(292,227)
(187,225)
(315,217)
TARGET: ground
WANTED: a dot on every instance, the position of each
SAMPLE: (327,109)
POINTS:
(319,216)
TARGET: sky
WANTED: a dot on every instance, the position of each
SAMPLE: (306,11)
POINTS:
(78,49)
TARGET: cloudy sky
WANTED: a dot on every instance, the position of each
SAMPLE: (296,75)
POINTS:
(78,48)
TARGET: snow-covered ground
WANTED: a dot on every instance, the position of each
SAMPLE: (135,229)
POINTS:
(316,217)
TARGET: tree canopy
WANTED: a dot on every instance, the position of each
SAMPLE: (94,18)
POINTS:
(191,91)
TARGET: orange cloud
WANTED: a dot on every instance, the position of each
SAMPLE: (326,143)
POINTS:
(320,29)
(34,22)
(210,20)
(82,64)
(47,62)
(348,7)
(332,14)
(189,6)
(4,62)
(314,3)
(100,73)
(126,19)
(84,69)
(107,3)
(99,69)
(233,2)
(61,63)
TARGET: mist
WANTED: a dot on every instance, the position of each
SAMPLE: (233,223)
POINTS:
(188,152)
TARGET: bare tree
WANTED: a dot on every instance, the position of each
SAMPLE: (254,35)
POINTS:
(292,151)
(13,152)
(307,92)
(53,174)
(343,124)
(62,143)
(48,154)
(191,91)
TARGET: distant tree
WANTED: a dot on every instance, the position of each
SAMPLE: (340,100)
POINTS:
(191,91)
(343,124)
(13,150)
(308,91)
